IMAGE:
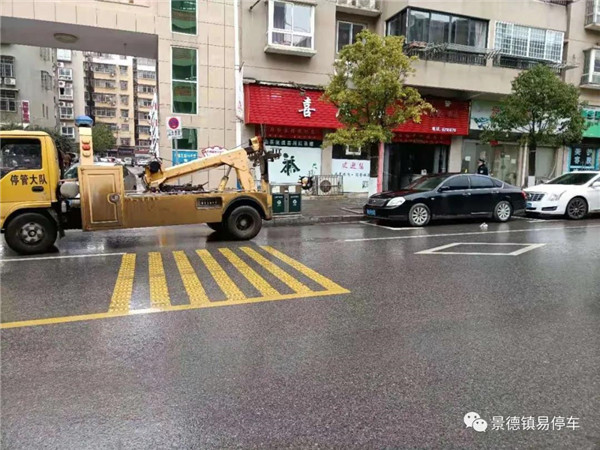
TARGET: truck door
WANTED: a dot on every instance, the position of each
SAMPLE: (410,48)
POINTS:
(26,181)
(102,193)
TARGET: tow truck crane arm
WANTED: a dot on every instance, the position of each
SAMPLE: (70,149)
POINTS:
(155,175)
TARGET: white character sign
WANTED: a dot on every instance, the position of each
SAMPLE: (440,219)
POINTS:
(306,110)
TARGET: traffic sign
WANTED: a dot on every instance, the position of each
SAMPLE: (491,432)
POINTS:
(174,130)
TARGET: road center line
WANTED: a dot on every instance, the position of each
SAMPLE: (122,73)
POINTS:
(468,233)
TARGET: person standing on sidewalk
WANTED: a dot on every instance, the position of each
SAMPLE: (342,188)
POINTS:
(482,168)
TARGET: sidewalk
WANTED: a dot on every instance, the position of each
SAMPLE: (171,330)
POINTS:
(339,208)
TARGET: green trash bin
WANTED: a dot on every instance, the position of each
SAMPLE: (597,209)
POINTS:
(278,203)
(295,203)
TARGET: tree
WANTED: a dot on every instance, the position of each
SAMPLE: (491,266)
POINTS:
(368,88)
(542,109)
(103,138)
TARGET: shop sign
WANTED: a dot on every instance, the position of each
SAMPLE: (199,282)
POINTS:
(306,109)
(295,161)
(184,156)
(355,173)
(592,119)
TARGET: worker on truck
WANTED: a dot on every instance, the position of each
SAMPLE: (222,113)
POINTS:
(36,205)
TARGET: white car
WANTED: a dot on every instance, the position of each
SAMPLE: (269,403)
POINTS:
(573,195)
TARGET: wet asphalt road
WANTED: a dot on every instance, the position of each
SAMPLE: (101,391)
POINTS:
(419,341)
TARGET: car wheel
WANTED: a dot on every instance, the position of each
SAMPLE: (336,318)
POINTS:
(503,211)
(30,233)
(216,226)
(243,223)
(419,215)
(577,208)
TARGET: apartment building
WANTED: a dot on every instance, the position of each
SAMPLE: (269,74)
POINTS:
(27,85)
(144,88)
(468,52)
(70,90)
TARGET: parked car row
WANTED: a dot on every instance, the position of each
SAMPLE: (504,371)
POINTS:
(463,195)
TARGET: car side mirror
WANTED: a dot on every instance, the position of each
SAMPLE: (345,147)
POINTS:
(596,184)
(444,189)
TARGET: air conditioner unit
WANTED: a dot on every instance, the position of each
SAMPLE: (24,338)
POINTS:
(353,150)
(60,64)
(10,81)
(112,74)
(61,84)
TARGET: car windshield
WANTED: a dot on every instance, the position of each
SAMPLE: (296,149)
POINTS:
(573,178)
(427,183)
(71,172)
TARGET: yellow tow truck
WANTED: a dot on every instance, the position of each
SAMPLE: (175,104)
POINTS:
(36,205)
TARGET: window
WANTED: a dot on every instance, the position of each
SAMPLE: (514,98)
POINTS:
(144,102)
(439,28)
(65,93)
(535,43)
(144,130)
(124,127)
(7,65)
(66,112)
(105,84)
(183,16)
(46,81)
(68,132)
(458,183)
(104,112)
(63,54)
(591,67)
(144,89)
(104,98)
(291,24)
(146,74)
(142,116)
(20,154)
(8,101)
(65,74)
(481,182)
(123,85)
(185,89)
(347,32)
(124,113)
(144,142)
(124,99)
(123,70)
(105,68)
(188,141)
(126,142)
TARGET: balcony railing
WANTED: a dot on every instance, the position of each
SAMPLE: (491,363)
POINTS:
(450,53)
(592,14)
(361,7)
(523,63)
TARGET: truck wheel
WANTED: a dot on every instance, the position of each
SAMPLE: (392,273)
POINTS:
(215,226)
(243,223)
(30,233)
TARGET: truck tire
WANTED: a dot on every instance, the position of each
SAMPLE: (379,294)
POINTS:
(216,226)
(243,223)
(30,233)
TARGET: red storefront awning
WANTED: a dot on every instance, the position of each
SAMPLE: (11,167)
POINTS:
(289,107)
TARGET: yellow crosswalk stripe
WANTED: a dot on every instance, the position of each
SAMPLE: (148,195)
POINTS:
(159,293)
(226,284)
(124,286)
(317,277)
(276,271)
(254,278)
(190,280)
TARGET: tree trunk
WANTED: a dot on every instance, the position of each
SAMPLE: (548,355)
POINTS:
(532,147)
(380,161)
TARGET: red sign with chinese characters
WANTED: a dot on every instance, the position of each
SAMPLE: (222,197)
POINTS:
(25,110)
(296,108)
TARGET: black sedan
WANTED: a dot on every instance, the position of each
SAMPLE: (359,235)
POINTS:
(447,196)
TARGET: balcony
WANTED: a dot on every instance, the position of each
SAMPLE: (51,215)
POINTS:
(592,15)
(368,8)
(66,96)
(450,53)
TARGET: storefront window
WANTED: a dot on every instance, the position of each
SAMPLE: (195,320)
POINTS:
(185,90)
(183,16)
(189,140)
(502,160)
(584,158)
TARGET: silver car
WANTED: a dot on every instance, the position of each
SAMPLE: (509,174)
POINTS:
(129,178)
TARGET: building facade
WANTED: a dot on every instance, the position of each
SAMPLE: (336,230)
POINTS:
(70,90)
(27,86)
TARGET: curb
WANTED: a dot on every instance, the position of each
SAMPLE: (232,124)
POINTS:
(310,220)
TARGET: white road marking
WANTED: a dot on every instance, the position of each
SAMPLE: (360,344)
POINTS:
(353,211)
(389,228)
(470,233)
(436,250)
(39,258)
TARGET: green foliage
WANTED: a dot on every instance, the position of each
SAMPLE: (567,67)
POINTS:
(103,138)
(369,90)
(64,144)
(542,109)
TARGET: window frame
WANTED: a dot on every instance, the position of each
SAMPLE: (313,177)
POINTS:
(547,43)
(184,81)
(195,20)
(7,61)
(70,135)
(337,32)
(271,29)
